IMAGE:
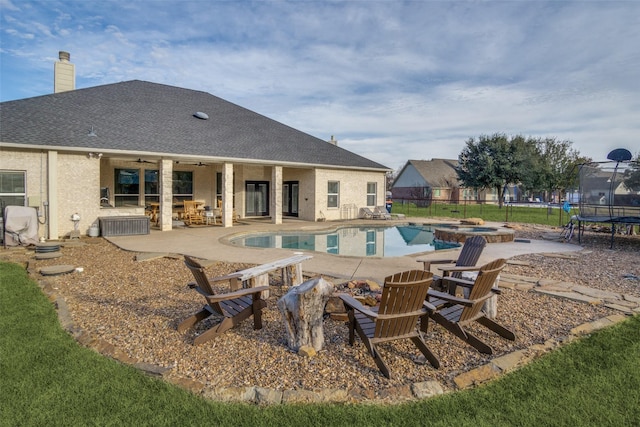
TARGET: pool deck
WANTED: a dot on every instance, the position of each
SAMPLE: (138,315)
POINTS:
(211,243)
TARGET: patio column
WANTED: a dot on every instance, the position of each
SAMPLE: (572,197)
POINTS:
(276,195)
(227,195)
(165,216)
(52,197)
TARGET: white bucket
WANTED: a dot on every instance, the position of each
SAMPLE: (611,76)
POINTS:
(94,230)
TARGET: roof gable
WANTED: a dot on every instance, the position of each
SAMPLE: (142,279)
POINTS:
(436,173)
(137,116)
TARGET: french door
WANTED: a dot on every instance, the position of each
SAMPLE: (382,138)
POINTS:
(290,198)
(257,198)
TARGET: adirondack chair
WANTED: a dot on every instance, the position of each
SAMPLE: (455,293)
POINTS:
(191,213)
(468,257)
(234,306)
(396,317)
(454,313)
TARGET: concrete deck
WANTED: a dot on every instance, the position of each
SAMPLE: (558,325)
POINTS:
(212,243)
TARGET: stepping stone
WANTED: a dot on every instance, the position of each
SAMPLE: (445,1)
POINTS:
(146,256)
(559,255)
(48,255)
(47,247)
(55,270)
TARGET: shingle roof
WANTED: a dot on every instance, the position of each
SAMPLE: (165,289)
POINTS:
(138,116)
(438,172)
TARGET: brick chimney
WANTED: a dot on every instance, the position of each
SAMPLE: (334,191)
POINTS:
(64,73)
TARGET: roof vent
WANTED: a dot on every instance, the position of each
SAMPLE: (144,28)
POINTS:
(201,115)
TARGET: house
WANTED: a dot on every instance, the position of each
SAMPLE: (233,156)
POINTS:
(424,181)
(113,150)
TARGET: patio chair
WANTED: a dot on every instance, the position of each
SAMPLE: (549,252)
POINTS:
(395,318)
(234,306)
(192,215)
(366,213)
(454,313)
(468,257)
(381,212)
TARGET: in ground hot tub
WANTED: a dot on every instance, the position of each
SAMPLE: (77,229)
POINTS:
(459,233)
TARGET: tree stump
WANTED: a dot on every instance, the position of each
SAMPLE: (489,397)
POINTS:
(302,309)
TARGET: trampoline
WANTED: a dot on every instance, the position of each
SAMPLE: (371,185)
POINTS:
(609,192)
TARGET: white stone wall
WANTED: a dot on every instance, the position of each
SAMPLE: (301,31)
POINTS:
(34,163)
(78,188)
(306,191)
(78,192)
(79,179)
(353,192)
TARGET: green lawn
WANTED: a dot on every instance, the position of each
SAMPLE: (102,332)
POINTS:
(47,379)
(525,214)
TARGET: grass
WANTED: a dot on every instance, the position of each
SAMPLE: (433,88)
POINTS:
(511,213)
(46,378)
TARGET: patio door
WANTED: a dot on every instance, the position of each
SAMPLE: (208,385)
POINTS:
(257,198)
(290,198)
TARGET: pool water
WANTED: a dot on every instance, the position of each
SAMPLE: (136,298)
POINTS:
(375,241)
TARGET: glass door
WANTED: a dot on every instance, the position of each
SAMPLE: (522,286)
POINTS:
(290,198)
(257,198)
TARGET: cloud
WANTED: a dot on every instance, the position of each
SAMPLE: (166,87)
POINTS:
(391,80)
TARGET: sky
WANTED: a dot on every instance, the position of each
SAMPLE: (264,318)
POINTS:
(390,80)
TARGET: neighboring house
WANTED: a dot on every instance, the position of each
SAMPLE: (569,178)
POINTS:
(135,143)
(603,192)
(425,181)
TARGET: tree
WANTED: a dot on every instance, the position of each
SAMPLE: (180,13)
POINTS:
(554,166)
(632,175)
(494,162)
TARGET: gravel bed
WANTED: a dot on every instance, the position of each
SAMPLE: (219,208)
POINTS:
(136,306)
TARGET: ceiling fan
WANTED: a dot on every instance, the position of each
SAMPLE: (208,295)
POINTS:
(143,161)
(192,164)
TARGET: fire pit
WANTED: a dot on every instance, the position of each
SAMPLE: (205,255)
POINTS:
(366,291)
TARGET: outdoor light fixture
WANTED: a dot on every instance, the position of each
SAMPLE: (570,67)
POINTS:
(94,155)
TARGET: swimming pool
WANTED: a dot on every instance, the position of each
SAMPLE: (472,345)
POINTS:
(373,241)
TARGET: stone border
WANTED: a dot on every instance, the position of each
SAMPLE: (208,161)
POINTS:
(408,392)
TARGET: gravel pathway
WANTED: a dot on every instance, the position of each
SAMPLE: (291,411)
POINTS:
(136,306)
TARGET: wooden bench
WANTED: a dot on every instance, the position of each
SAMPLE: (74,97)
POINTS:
(290,268)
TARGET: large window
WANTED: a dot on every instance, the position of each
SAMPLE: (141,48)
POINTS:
(182,185)
(127,187)
(371,193)
(151,186)
(12,189)
(333,194)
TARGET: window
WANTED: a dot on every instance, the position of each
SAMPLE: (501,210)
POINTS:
(127,187)
(12,189)
(436,192)
(333,194)
(182,185)
(371,193)
(151,186)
